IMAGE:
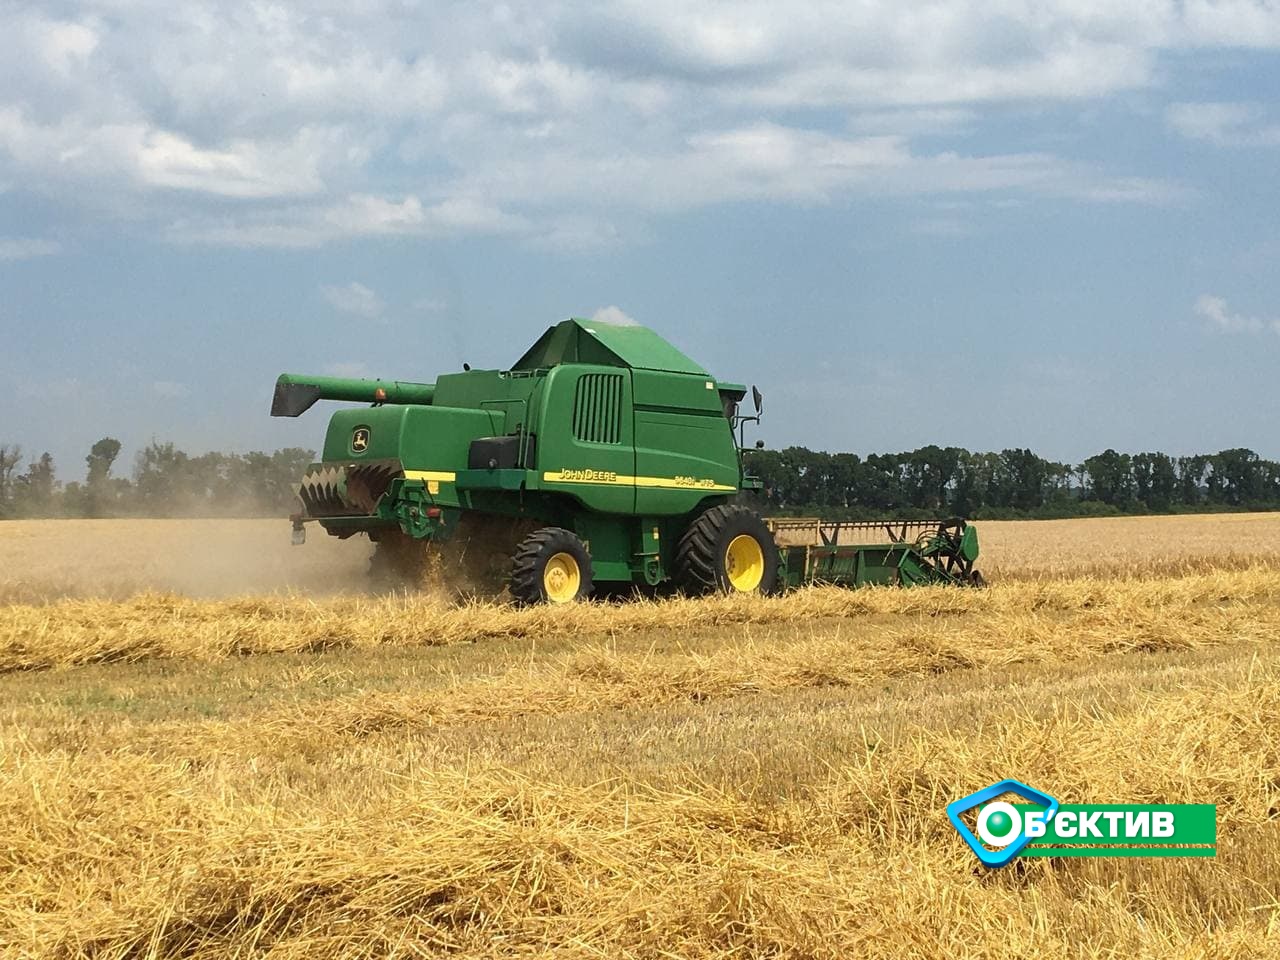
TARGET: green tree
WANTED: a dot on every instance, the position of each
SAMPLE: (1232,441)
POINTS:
(159,479)
(927,474)
(767,465)
(10,457)
(1110,478)
(1154,481)
(844,470)
(1059,480)
(880,486)
(34,494)
(1271,481)
(1191,471)
(1237,476)
(1019,479)
(267,482)
(973,477)
(102,456)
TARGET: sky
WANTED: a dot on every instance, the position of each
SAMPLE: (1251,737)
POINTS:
(982,223)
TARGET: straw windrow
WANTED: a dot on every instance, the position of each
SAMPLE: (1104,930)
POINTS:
(399,776)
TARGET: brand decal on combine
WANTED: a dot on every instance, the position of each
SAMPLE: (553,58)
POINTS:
(584,476)
(360,439)
(1044,828)
(609,477)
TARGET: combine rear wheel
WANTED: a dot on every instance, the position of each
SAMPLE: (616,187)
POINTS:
(727,549)
(551,566)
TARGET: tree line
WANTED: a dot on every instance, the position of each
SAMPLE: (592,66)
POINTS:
(165,481)
(936,480)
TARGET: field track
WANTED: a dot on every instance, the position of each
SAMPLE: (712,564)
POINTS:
(211,745)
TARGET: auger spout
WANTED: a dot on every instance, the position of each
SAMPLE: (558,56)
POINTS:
(296,393)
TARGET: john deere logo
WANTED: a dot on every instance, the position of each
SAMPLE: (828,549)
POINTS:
(360,440)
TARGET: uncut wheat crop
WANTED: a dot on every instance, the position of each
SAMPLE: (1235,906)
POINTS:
(212,744)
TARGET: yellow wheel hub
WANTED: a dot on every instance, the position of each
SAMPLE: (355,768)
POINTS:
(744,563)
(561,578)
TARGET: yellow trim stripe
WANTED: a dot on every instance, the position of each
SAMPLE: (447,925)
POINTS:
(440,476)
(607,478)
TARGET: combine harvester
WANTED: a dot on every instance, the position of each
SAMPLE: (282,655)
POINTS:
(604,456)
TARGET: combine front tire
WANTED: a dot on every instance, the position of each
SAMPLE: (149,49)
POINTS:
(551,566)
(728,549)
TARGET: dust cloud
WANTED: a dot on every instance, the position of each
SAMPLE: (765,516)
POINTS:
(42,560)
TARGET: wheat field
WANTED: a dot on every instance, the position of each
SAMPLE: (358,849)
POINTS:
(214,745)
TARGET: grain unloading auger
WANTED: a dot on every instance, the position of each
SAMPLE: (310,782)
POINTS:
(605,456)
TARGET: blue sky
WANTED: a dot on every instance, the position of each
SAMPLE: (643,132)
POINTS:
(988,224)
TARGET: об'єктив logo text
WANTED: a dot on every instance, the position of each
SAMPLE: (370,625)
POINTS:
(1042,827)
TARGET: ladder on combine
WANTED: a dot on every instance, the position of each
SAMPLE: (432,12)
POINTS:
(856,552)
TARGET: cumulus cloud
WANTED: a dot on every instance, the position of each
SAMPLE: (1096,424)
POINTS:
(1220,317)
(354,298)
(292,124)
(138,156)
(615,316)
(24,248)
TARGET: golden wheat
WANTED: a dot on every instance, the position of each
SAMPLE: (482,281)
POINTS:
(121,853)
(360,775)
(85,631)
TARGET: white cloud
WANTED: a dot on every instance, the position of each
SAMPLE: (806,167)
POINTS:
(1218,314)
(1234,23)
(356,215)
(613,316)
(354,298)
(913,122)
(578,234)
(769,161)
(291,124)
(244,169)
(140,157)
(24,248)
(1225,124)
(64,46)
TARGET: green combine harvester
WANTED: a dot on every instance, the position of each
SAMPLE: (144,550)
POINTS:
(603,457)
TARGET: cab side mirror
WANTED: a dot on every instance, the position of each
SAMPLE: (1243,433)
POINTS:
(757,398)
